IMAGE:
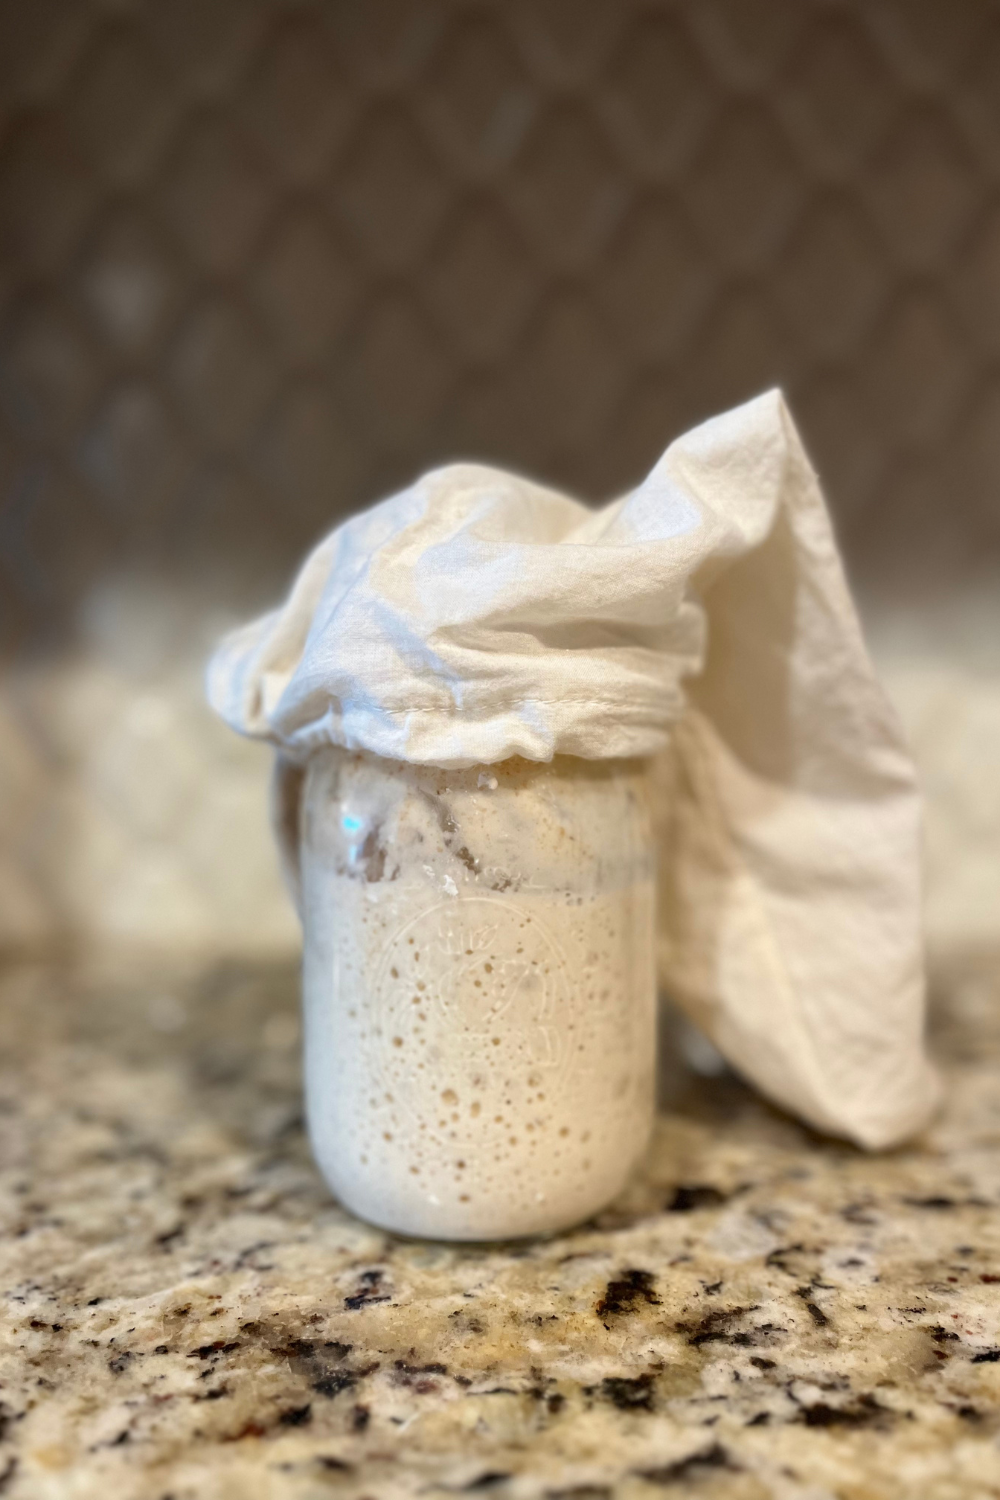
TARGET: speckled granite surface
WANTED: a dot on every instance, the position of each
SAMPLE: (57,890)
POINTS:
(188,1315)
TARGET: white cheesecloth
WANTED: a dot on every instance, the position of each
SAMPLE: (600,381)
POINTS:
(702,619)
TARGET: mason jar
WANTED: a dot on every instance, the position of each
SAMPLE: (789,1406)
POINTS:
(478,986)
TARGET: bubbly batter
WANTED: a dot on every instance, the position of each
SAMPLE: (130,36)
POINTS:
(479,989)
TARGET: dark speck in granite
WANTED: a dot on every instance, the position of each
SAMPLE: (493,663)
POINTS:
(296,1416)
(626,1291)
(684,1469)
(370,1289)
(332,1385)
(815,1312)
(862,1413)
(718,1327)
(187,1313)
(685,1200)
(338,1465)
(627,1393)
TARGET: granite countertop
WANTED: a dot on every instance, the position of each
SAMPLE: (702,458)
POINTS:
(188,1314)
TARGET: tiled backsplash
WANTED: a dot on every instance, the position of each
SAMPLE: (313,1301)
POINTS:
(261,260)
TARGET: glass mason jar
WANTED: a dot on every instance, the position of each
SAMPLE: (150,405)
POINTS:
(478,986)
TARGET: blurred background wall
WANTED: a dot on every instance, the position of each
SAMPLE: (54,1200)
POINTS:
(263,260)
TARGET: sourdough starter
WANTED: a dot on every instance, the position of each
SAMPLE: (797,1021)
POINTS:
(479,989)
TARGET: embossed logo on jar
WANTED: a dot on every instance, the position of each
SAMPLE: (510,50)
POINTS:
(478,978)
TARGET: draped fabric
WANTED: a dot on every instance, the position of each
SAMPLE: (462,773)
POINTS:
(702,620)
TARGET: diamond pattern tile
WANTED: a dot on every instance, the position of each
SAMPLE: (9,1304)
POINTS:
(975,285)
(217,199)
(306,284)
(40,43)
(569,193)
(977,97)
(481,285)
(309,452)
(834,277)
(743,189)
(128,282)
(214,196)
(659,91)
(118,106)
(50,372)
(390,189)
(134,446)
(260,260)
(387,42)
(205,45)
(45,194)
(221,371)
(836,95)
(654,284)
(299,99)
(568,336)
(748,40)
(482,96)
(923,188)
(397,372)
(914,372)
(567,43)
(930,43)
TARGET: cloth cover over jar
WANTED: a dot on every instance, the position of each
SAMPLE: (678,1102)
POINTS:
(702,619)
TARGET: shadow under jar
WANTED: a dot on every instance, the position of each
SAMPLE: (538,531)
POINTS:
(479,988)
